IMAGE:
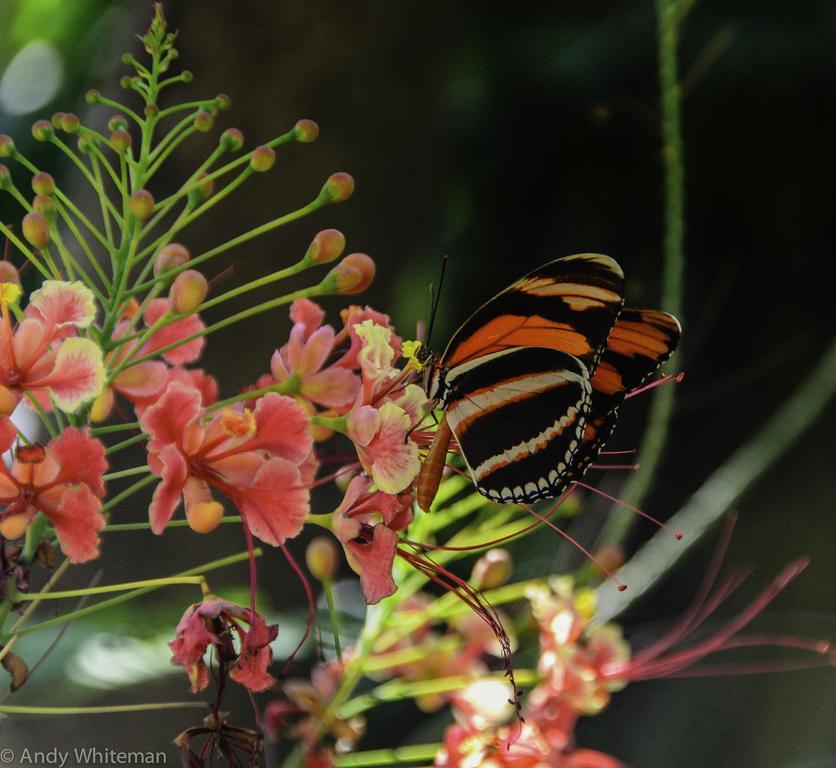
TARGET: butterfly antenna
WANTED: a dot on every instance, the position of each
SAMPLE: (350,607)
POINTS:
(435,299)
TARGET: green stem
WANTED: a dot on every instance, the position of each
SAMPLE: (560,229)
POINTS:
(144,469)
(124,587)
(15,710)
(414,753)
(673,266)
(105,604)
(328,588)
(128,492)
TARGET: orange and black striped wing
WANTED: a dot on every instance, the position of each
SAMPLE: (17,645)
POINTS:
(569,304)
(518,416)
(641,340)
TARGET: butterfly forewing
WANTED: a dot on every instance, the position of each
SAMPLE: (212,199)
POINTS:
(640,341)
(518,416)
(568,304)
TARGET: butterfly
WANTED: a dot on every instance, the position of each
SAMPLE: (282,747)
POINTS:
(530,384)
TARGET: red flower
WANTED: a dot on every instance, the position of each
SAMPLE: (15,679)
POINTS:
(63,480)
(366,524)
(42,355)
(215,622)
(254,458)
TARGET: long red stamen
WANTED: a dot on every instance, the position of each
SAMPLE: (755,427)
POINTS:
(675,378)
(620,502)
(478,603)
(578,545)
(309,622)
(628,467)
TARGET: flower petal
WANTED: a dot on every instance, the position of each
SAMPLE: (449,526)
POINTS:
(77,376)
(78,520)
(373,563)
(282,428)
(391,459)
(174,472)
(307,313)
(251,670)
(61,303)
(332,388)
(177,331)
(276,504)
(172,416)
(141,381)
(81,458)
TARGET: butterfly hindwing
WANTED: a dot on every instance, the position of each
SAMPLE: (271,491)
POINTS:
(518,416)
(568,304)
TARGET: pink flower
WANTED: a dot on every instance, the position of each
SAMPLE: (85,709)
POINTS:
(63,480)
(215,622)
(43,355)
(252,457)
(352,317)
(304,357)
(366,524)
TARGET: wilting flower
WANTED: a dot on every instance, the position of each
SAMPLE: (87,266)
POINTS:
(63,480)
(255,458)
(216,622)
(366,523)
(42,355)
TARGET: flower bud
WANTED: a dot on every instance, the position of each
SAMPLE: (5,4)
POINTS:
(45,205)
(327,246)
(171,256)
(151,110)
(492,570)
(337,188)
(262,159)
(186,76)
(202,190)
(5,178)
(322,558)
(223,101)
(8,274)
(56,119)
(306,131)
(352,275)
(42,130)
(117,123)
(70,122)
(204,516)
(7,145)
(102,406)
(36,229)
(92,96)
(120,140)
(188,291)
(142,204)
(203,121)
(14,526)
(43,183)
(8,402)
(231,140)
(86,144)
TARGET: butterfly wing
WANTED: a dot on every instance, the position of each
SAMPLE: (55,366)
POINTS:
(569,304)
(518,416)
(640,341)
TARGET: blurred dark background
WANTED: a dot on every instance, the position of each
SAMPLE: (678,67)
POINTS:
(505,137)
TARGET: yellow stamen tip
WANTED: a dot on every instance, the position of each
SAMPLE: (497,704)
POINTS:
(9,293)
